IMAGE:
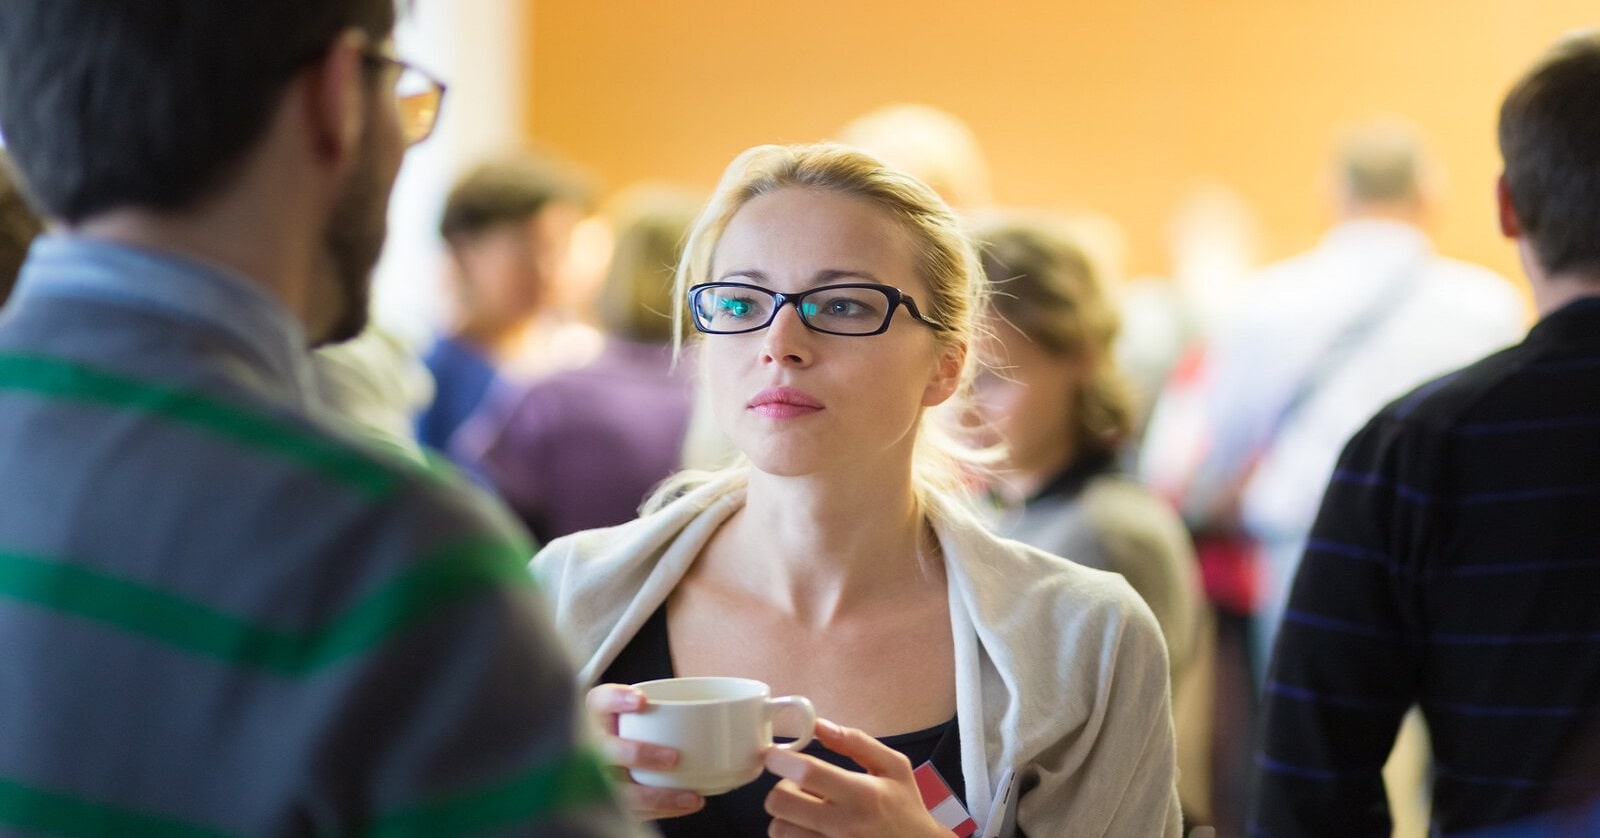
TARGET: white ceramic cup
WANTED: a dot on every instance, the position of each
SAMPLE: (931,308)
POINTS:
(720,727)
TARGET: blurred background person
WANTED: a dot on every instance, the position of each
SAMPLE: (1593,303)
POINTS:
(1452,567)
(932,145)
(507,225)
(1053,398)
(1318,343)
(1248,429)
(582,448)
(18,226)
(1213,238)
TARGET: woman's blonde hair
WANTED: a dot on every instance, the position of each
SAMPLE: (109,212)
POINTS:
(1046,287)
(945,261)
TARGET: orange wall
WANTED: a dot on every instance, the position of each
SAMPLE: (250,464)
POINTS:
(1113,107)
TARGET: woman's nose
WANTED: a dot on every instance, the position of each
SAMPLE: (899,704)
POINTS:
(787,339)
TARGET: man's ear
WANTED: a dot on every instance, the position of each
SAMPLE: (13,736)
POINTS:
(947,376)
(335,97)
(1510,225)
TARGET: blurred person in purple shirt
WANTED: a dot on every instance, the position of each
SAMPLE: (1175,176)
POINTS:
(581,448)
(507,225)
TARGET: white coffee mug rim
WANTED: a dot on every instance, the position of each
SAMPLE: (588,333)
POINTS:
(763,690)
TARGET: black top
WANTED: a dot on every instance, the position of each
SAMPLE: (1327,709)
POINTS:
(1074,478)
(741,813)
(1455,564)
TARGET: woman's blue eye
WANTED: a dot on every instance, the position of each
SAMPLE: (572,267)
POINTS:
(844,307)
(847,308)
(734,308)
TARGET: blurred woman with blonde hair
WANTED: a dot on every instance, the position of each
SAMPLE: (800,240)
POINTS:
(1053,398)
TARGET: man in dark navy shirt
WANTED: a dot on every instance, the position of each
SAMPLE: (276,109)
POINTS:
(1455,563)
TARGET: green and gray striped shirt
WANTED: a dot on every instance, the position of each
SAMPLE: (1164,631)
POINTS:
(221,614)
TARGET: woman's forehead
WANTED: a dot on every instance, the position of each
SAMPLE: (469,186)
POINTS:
(805,231)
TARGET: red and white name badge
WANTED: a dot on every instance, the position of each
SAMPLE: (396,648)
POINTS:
(942,803)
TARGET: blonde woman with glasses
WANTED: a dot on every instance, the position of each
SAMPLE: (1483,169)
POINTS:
(835,299)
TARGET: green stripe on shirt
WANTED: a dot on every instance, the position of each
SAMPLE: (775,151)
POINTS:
(549,791)
(32,810)
(438,581)
(55,378)
(570,785)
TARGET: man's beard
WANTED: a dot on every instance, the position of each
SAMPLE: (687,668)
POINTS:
(353,242)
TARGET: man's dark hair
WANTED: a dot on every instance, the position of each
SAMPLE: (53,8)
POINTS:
(18,226)
(507,190)
(1550,139)
(152,103)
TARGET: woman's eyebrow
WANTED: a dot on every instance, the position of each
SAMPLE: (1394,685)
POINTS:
(823,277)
(831,276)
(751,276)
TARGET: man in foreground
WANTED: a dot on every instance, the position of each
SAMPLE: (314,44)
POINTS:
(220,614)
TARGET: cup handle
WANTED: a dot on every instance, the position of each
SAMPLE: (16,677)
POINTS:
(803,704)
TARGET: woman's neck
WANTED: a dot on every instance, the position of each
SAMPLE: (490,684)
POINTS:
(1020,480)
(821,548)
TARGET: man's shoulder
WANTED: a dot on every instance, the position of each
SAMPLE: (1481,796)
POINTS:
(233,463)
(1441,404)
(186,499)
(389,487)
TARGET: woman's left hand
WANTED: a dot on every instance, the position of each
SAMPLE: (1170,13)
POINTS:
(818,799)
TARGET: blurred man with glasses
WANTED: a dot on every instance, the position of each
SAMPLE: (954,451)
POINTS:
(221,614)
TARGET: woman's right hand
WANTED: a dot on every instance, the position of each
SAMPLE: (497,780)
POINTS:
(605,703)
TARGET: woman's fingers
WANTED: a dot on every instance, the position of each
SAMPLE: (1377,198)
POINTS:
(878,759)
(814,778)
(814,797)
(630,753)
(649,803)
(786,829)
(605,701)
(796,809)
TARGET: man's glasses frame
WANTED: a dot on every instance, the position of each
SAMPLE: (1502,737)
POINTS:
(894,299)
(419,93)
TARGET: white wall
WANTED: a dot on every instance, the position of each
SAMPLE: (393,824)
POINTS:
(474,46)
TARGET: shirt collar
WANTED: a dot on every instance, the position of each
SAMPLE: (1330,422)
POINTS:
(1574,321)
(1072,480)
(171,285)
(1365,234)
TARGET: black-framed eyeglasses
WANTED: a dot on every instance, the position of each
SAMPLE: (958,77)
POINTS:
(855,309)
(418,93)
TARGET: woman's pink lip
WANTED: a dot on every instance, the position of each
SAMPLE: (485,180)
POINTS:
(783,403)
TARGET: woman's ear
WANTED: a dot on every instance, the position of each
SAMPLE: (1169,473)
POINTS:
(946,375)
